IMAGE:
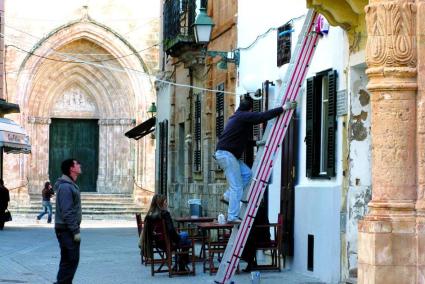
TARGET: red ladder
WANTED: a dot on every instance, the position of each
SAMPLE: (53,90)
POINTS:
(275,133)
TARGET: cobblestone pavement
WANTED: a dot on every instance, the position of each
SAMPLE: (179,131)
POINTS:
(29,253)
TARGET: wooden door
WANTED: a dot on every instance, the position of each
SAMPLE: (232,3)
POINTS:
(287,195)
(78,139)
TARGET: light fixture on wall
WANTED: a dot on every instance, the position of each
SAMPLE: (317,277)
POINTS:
(250,84)
(203,28)
(152,110)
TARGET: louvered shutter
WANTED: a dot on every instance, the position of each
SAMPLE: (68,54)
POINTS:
(197,150)
(309,127)
(257,107)
(284,44)
(219,105)
(332,77)
(163,156)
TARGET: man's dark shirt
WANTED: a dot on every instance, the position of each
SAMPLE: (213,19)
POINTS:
(235,135)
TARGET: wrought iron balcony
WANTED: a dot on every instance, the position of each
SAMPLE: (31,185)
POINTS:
(179,16)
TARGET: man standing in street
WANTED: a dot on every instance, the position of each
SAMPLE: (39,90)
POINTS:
(230,147)
(68,219)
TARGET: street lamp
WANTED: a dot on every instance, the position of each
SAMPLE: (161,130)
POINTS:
(152,110)
(202,28)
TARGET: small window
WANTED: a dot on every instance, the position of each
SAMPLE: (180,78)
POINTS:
(197,131)
(321,125)
(284,34)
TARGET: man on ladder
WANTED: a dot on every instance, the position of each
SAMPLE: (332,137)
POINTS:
(230,147)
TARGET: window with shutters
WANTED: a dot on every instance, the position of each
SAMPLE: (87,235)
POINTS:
(284,34)
(321,125)
(163,157)
(219,110)
(197,131)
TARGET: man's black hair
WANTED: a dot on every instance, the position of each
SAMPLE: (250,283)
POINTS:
(246,104)
(66,166)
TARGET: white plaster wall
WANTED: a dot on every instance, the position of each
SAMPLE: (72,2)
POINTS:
(360,167)
(163,102)
(317,202)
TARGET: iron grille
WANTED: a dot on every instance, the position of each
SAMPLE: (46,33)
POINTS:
(179,16)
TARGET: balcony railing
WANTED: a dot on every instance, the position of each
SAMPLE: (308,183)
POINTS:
(179,16)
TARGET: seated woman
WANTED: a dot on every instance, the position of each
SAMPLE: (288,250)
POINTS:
(157,212)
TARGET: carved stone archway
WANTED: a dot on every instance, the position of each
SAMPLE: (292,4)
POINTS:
(69,81)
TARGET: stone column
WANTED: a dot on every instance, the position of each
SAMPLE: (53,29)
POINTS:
(420,142)
(39,163)
(116,160)
(387,235)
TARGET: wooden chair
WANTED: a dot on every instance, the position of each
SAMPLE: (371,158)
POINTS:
(140,224)
(164,253)
(274,246)
(173,253)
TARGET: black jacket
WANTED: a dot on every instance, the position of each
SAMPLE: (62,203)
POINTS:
(68,205)
(235,135)
(4,198)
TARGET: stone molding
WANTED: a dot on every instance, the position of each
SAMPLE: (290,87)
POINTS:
(117,121)
(39,120)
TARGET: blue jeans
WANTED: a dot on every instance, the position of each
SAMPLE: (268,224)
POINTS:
(47,207)
(238,175)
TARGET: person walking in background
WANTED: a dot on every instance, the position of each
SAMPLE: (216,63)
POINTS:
(46,193)
(68,219)
(4,202)
(230,147)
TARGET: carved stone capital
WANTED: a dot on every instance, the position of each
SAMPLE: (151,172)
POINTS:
(391,31)
(39,120)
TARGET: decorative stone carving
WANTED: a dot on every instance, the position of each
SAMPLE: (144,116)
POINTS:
(39,120)
(74,100)
(117,121)
(391,34)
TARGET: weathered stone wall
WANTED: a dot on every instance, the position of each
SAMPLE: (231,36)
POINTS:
(114,43)
(209,183)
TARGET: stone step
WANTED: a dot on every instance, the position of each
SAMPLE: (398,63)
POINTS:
(94,206)
(93,216)
(95,197)
(86,203)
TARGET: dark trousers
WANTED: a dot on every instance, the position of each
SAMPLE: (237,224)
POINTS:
(70,256)
(2,209)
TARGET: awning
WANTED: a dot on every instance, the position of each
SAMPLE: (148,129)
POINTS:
(13,137)
(142,129)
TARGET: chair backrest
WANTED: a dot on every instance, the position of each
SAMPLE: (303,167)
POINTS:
(279,231)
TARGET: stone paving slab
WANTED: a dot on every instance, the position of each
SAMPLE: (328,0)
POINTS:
(29,253)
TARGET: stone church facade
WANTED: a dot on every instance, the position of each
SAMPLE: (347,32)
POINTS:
(82,74)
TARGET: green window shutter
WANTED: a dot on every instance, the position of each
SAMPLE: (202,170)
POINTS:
(332,76)
(309,126)
(219,105)
(256,129)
